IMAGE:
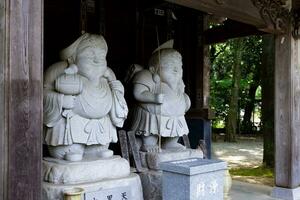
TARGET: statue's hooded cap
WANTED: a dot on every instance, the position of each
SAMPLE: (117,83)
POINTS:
(82,42)
(164,51)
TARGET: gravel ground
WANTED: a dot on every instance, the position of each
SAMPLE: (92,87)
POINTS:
(247,152)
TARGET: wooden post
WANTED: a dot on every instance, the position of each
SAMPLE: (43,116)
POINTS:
(3,134)
(286,107)
(198,84)
(267,93)
(287,117)
(203,96)
(21,98)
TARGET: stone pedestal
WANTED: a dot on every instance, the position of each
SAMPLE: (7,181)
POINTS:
(91,175)
(152,184)
(88,170)
(152,179)
(193,179)
(52,191)
(286,193)
(152,160)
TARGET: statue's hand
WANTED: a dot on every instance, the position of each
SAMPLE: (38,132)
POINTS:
(159,98)
(68,101)
(109,75)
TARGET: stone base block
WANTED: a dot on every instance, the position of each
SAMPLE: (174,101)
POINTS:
(52,191)
(152,179)
(152,184)
(193,179)
(286,193)
(64,172)
(152,160)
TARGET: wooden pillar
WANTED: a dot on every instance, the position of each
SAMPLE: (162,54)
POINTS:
(267,93)
(21,98)
(3,135)
(205,71)
(203,92)
(287,117)
(199,116)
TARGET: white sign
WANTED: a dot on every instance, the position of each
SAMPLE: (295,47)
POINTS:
(159,12)
(120,193)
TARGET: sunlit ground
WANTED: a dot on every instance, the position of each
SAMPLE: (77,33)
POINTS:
(244,153)
(244,160)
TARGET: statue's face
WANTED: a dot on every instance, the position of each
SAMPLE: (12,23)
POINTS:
(171,69)
(91,62)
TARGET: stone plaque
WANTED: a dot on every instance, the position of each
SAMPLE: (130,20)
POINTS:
(121,193)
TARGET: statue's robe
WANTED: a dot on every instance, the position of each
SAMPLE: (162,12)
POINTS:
(97,111)
(166,119)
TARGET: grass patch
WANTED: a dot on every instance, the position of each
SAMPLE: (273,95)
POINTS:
(257,172)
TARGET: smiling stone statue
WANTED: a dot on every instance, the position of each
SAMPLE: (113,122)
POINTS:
(161,101)
(83,102)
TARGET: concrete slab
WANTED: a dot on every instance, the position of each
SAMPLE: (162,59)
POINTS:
(286,193)
(247,191)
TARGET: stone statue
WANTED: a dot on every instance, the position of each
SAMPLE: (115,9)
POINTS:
(83,102)
(161,101)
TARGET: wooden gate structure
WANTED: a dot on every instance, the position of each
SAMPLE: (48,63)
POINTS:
(21,77)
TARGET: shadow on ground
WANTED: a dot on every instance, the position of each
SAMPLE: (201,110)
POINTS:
(246,153)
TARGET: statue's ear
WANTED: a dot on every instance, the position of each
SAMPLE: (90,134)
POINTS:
(152,69)
(156,78)
(71,60)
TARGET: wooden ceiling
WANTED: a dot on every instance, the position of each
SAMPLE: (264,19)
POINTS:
(264,15)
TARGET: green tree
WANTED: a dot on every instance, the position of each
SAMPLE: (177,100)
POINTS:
(252,57)
(233,112)
(224,60)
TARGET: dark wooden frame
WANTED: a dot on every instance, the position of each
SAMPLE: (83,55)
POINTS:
(21,74)
(21,106)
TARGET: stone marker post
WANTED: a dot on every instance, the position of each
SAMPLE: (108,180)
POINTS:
(192,179)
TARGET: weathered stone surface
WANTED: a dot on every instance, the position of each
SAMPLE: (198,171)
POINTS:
(152,184)
(152,179)
(52,191)
(193,166)
(192,179)
(152,160)
(65,172)
(286,193)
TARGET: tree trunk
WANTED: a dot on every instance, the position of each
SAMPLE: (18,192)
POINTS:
(249,108)
(267,110)
(231,122)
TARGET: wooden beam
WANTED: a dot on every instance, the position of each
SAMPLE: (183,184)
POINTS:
(21,98)
(296,4)
(229,30)
(151,4)
(242,11)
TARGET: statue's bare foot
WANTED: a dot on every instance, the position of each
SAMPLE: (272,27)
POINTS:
(98,151)
(73,157)
(173,146)
(105,153)
(150,148)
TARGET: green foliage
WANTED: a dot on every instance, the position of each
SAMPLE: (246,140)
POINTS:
(222,60)
(258,93)
(260,171)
